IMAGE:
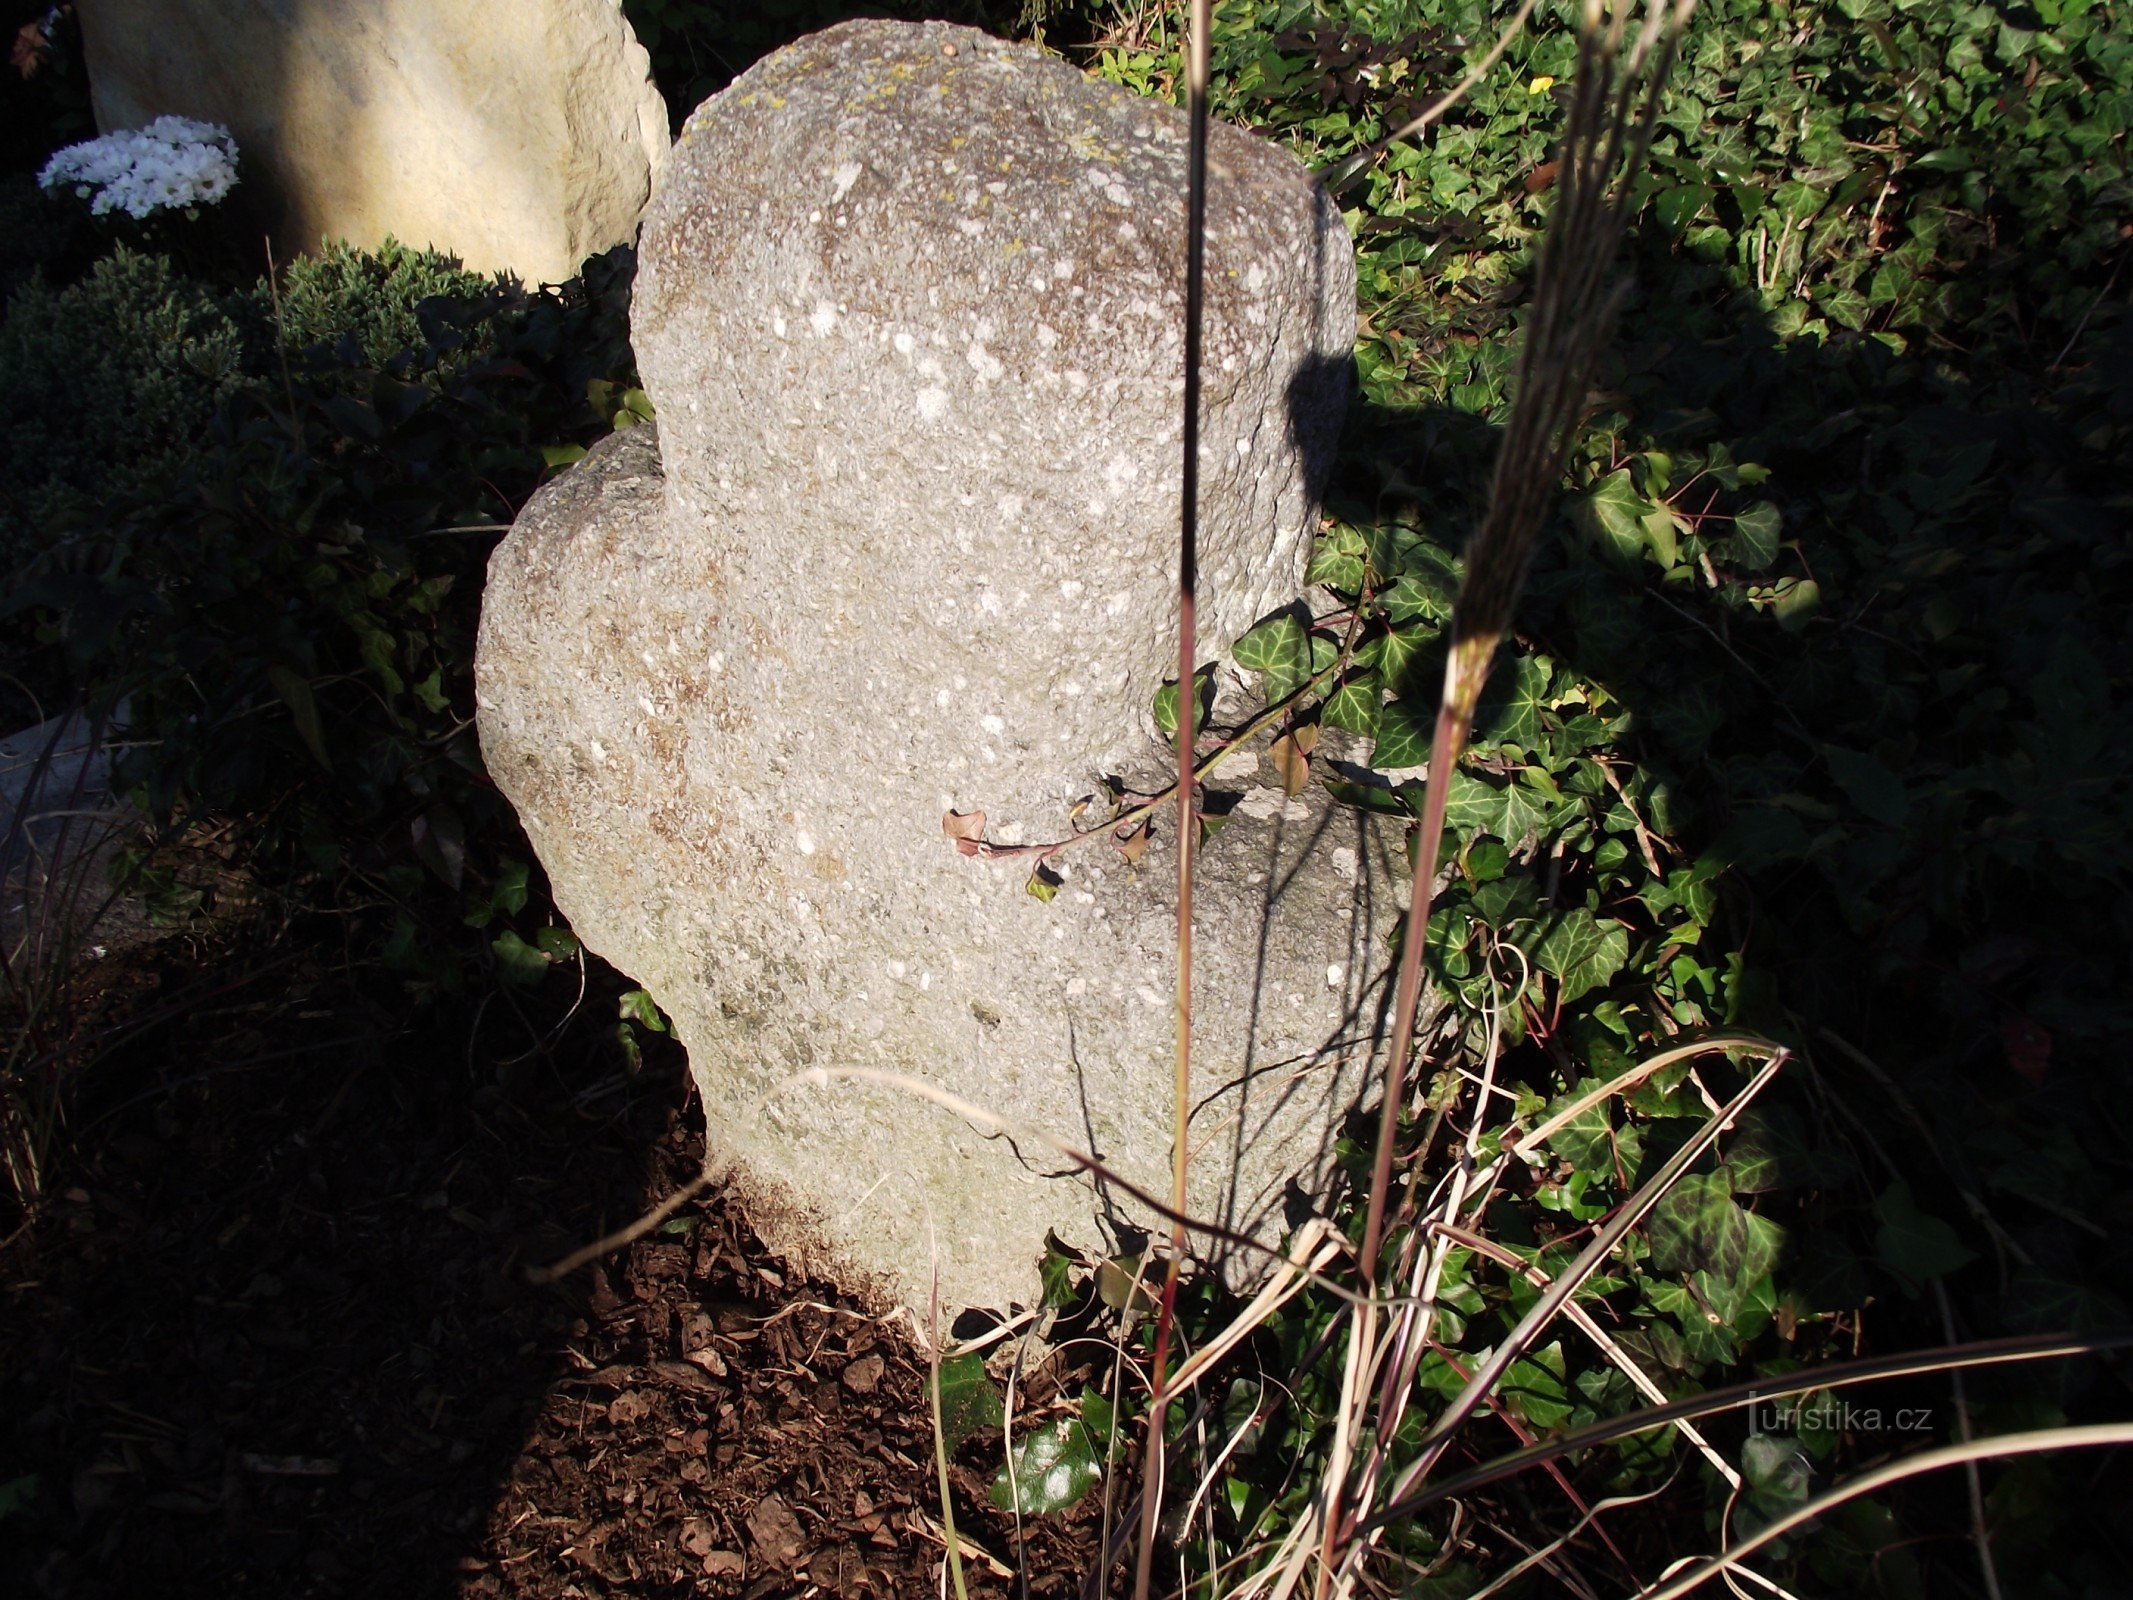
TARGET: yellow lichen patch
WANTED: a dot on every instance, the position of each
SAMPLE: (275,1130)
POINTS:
(1086,144)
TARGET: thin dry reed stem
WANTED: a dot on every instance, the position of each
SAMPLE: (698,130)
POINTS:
(2037,1442)
(1197,53)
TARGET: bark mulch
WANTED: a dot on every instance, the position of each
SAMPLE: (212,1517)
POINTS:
(275,1337)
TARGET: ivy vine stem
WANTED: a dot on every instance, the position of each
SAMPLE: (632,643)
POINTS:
(1121,827)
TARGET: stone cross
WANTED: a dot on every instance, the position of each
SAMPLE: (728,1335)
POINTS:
(909,306)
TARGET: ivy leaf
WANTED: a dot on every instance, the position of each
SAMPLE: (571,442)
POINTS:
(1395,652)
(1755,535)
(1869,785)
(517,961)
(294,691)
(509,895)
(966,829)
(1796,600)
(1422,596)
(1280,651)
(1402,738)
(1337,562)
(1534,1391)
(2036,1302)
(1911,1242)
(637,1005)
(1354,707)
(1291,755)
(1677,207)
(1612,514)
(1512,812)
(1121,1285)
(430,691)
(1770,1150)
(1053,1468)
(1699,1227)
(969,1401)
(1586,1141)
(1166,701)
(1511,714)
(1582,953)
(1056,1272)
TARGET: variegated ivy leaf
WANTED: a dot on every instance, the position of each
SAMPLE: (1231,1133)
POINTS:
(1511,713)
(1354,706)
(1337,561)
(1420,596)
(1511,811)
(1582,952)
(1166,701)
(1402,737)
(1699,1227)
(1394,653)
(1624,523)
(1280,651)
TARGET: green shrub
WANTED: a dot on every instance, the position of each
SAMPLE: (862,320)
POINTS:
(293,627)
(357,308)
(105,387)
(37,233)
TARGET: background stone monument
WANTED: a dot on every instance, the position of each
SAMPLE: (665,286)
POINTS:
(521,137)
(909,306)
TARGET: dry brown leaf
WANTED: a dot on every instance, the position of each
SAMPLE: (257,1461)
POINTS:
(1291,754)
(967,830)
(1132,843)
(31,48)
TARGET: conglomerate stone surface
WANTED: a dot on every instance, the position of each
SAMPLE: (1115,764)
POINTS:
(903,542)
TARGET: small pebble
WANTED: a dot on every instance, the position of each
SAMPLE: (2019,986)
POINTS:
(948,50)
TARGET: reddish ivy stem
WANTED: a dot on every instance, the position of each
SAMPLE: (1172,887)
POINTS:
(1282,709)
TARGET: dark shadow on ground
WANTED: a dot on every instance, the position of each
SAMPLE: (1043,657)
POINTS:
(275,1338)
(272,1337)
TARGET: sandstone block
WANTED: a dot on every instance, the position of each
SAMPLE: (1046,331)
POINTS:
(521,137)
(903,542)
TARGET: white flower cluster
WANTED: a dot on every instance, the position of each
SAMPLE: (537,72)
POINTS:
(172,164)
